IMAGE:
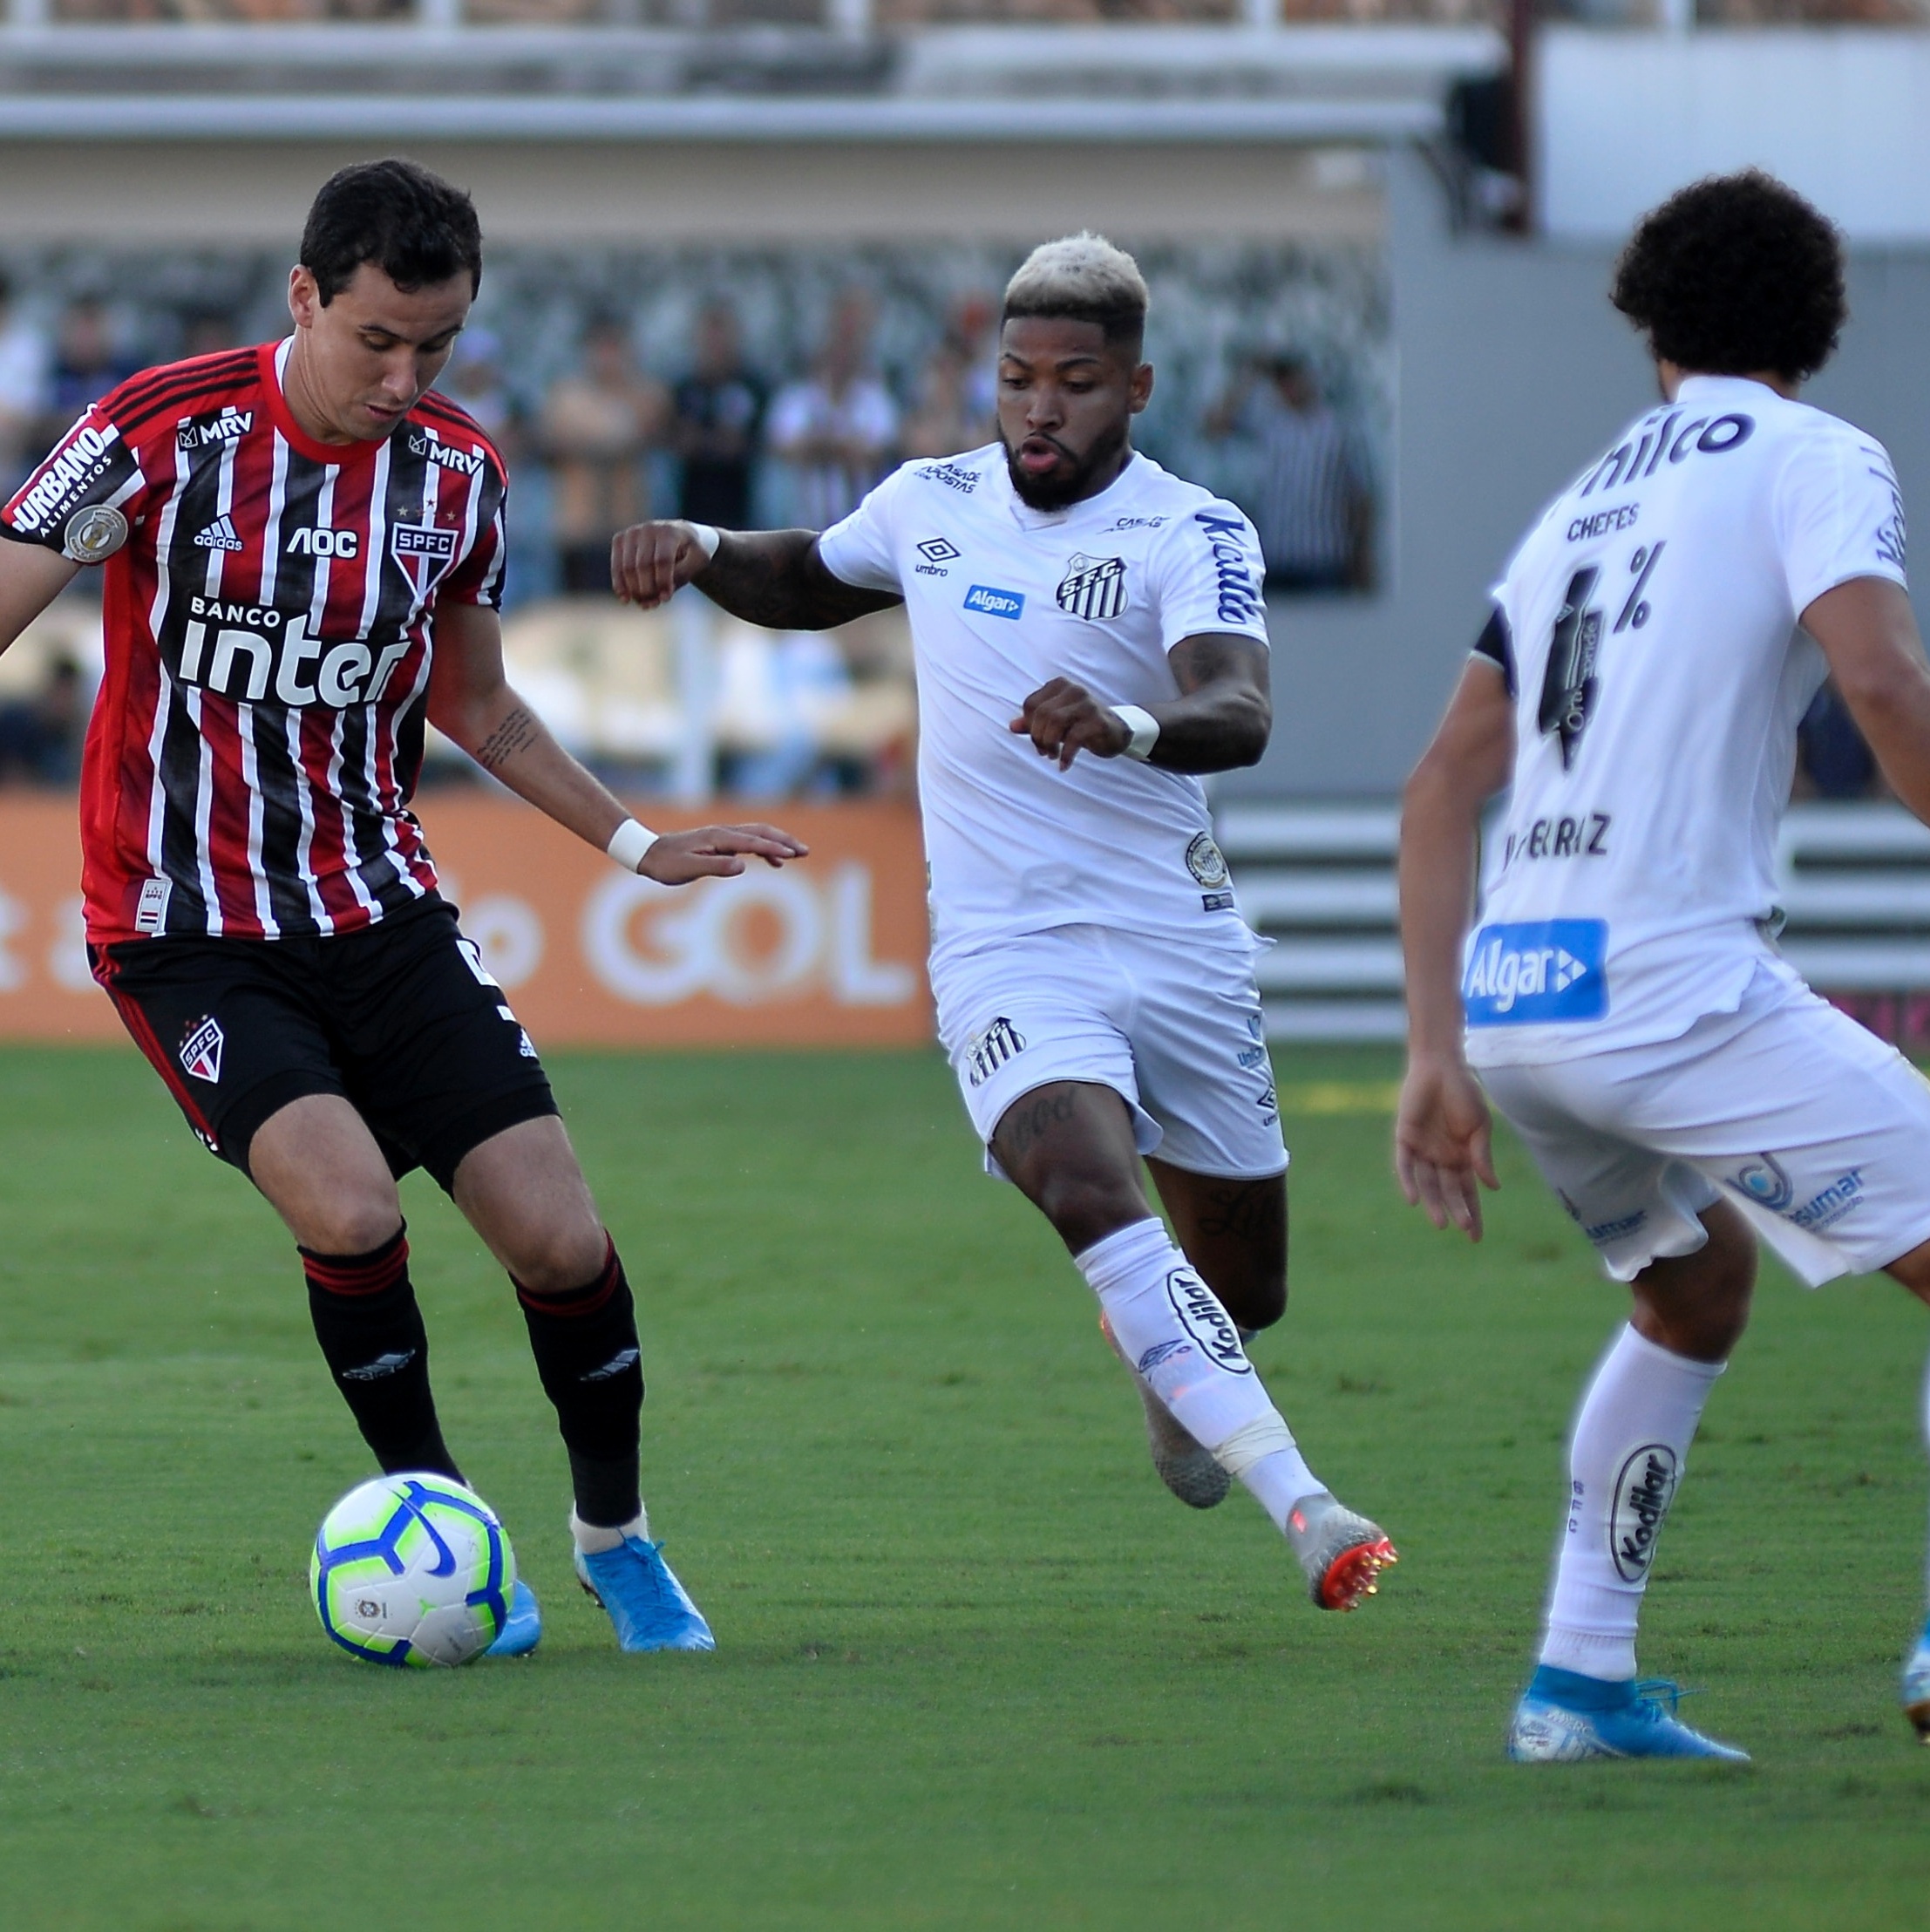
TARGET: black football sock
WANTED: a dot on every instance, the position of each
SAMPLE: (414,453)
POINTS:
(372,1335)
(585,1343)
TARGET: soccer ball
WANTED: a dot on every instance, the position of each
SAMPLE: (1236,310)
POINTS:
(412,1570)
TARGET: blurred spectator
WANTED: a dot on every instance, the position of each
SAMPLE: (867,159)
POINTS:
(207,332)
(949,416)
(24,353)
(86,366)
(40,736)
(1838,762)
(474,379)
(595,427)
(719,409)
(1312,503)
(836,429)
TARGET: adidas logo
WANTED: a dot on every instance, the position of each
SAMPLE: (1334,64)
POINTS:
(219,535)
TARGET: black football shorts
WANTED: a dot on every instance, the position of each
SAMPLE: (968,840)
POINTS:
(400,1018)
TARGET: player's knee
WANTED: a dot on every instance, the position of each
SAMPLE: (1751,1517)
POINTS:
(351,1225)
(555,1260)
(1084,1205)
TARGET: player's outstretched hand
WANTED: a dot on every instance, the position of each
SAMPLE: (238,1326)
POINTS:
(650,560)
(1440,1143)
(717,852)
(1065,719)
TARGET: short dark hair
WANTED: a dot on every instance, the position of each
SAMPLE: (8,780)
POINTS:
(1735,274)
(412,224)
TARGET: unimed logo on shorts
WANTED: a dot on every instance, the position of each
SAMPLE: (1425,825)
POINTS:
(1542,971)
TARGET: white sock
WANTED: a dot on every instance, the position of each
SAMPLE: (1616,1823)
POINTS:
(591,1538)
(1171,1328)
(1625,1463)
(1927,1410)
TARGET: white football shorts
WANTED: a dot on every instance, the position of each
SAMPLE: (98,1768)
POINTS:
(1814,1127)
(1173,1028)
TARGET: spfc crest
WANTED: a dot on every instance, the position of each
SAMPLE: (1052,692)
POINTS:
(201,1050)
(423,551)
(1094,588)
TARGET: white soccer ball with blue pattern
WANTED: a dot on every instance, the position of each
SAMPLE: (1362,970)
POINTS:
(412,1570)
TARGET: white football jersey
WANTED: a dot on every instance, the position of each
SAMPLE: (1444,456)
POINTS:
(1659,676)
(1002,598)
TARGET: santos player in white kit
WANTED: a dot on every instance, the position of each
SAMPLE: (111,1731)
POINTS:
(1655,641)
(1089,635)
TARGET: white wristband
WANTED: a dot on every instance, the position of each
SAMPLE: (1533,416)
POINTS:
(628,843)
(708,535)
(1145,728)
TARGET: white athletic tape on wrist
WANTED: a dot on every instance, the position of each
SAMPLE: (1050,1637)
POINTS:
(1253,1442)
(708,535)
(1145,728)
(628,843)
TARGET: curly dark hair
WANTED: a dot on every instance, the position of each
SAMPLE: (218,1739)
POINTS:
(1733,275)
(411,224)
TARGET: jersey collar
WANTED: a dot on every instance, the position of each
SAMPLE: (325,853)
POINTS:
(1028,519)
(273,359)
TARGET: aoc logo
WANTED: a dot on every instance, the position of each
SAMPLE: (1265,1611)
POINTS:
(1643,1491)
(989,603)
(1206,1322)
(1544,971)
(1765,1182)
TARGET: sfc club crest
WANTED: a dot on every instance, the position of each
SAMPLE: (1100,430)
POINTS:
(424,552)
(1094,588)
(201,1050)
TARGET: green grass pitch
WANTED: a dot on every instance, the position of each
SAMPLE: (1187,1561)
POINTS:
(977,1669)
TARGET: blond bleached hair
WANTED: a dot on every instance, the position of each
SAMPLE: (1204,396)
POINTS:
(1084,278)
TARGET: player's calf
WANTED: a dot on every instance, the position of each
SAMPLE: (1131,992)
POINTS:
(366,1319)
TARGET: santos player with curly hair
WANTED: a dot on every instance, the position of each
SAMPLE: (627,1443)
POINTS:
(1654,642)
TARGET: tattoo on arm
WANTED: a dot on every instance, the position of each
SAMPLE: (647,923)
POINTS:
(1225,715)
(776,578)
(515,734)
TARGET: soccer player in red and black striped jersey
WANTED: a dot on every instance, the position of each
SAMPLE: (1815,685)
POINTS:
(303,549)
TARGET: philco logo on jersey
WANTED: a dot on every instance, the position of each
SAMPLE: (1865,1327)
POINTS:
(82,459)
(201,1053)
(1643,1491)
(463,462)
(1206,1322)
(306,542)
(1239,599)
(991,602)
(1094,588)
(248,651)
(1626,461)
(1542,971)
(228,426)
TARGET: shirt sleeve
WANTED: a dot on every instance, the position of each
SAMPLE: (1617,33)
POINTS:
(1838,515)
(1206,573)
(862,550)
(84,495)
(1497,647)
(478,577)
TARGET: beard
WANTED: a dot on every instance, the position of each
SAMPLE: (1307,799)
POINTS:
(1068,485)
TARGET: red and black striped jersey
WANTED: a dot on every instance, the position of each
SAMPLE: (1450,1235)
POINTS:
(269,611)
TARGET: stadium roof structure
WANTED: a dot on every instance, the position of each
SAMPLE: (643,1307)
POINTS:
(448,82)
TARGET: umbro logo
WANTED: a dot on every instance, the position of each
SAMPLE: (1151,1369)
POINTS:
(219,535)
(937,550)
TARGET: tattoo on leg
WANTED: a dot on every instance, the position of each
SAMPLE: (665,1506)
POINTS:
(516,733)
(1253,1211)
(1030,1121)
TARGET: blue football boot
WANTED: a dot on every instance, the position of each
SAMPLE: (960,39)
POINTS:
(650,1608)
(1916,1686)
(1564,1718)
(524,1629)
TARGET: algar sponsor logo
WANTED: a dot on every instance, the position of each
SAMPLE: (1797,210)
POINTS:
(81,459)
(1239,596)
(1538,970)
(990,601)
